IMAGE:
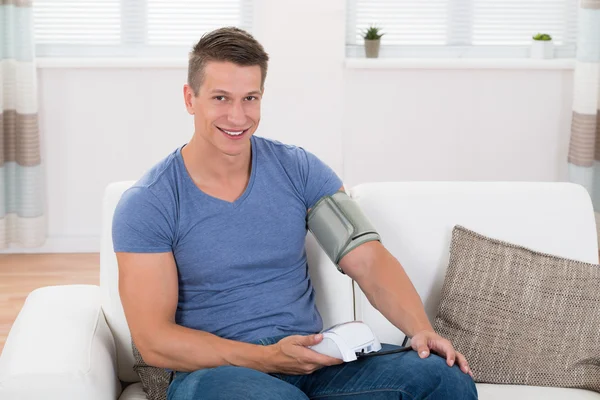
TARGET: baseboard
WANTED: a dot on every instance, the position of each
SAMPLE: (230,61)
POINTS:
(60,244)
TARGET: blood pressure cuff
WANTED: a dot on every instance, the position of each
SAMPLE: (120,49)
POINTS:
(340,226)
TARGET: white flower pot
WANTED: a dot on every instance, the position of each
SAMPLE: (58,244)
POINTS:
(542,49)
(372,48)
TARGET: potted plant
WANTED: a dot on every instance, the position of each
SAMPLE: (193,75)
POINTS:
(542,46)
(372,41)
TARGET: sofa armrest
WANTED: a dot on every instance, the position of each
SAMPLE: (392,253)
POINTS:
(60,347)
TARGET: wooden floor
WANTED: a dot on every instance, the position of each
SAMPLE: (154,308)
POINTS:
(21,273)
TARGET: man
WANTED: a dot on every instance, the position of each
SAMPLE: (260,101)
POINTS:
(212,269)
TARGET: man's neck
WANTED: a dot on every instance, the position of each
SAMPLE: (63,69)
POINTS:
(207,164)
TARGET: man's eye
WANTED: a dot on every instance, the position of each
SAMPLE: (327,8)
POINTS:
(251,98)
(219,98)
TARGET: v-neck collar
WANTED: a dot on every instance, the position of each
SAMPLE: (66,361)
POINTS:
(232,204)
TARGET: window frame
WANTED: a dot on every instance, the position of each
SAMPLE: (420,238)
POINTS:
(457,42)
(133,40)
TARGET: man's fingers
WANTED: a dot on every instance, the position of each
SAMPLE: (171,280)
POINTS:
(444,348)
(309,340)
(450,359)
(312,356)
(463,364)
(333,361)
(321,359)
(421,348)
(450,353)
(426,342)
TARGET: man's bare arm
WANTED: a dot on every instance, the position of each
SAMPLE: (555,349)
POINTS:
(389,289)
(149,293)
(387,286)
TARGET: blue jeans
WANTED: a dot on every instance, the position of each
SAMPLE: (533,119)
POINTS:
(395,376)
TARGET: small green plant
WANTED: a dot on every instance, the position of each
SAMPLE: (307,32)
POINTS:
(542,36)
(373,33)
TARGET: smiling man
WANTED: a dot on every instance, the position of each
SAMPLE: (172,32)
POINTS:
(213,275)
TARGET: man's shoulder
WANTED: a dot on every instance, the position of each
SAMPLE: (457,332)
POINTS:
(280,150)
(155,183)
(145,218)
(159,172)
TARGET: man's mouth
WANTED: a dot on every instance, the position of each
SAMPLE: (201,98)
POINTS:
(233,133)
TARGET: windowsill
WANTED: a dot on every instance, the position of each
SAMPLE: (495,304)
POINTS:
(350,63)
(459,63)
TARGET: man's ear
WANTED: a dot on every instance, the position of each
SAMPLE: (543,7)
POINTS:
(189,98)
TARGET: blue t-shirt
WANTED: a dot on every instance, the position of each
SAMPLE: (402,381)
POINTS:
(242,267)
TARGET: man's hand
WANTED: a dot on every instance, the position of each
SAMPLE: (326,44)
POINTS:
(425,342)
(291,356)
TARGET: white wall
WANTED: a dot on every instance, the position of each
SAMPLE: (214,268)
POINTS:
(102,125)
(456,124)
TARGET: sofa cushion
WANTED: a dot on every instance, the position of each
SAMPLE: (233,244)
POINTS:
(520,316)
(133,392)
(486,391)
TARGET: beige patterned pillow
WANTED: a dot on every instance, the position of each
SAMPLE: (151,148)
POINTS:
(521,317)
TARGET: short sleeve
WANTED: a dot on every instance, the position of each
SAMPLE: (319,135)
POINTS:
(141,224)
(319,179)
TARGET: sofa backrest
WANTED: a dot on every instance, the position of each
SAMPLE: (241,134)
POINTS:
(109,284)
(415,220)
(333,291)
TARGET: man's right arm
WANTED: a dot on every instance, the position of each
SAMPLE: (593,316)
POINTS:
(149,292)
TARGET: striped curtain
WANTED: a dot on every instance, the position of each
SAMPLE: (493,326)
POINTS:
(584,149)
(22,219)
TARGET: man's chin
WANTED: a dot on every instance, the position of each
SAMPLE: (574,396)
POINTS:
(234,147)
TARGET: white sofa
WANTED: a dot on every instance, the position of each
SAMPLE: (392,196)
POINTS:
(72,342)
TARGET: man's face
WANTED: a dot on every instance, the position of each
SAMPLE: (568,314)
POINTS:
(227,107)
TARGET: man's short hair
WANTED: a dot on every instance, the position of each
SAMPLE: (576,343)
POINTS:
(225,44)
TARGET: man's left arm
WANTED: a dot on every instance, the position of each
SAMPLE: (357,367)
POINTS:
(389,289)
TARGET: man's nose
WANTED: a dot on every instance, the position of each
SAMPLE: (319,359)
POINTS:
(236,115)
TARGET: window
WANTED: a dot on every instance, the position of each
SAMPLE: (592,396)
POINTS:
(131,28)
(462,28)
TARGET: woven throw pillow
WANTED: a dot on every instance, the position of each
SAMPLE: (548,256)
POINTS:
(155,381)
(521,317)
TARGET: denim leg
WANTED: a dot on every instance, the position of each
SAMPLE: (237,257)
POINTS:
(229,382)
(394,376)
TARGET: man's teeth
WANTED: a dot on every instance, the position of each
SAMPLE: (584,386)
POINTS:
(233,133)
